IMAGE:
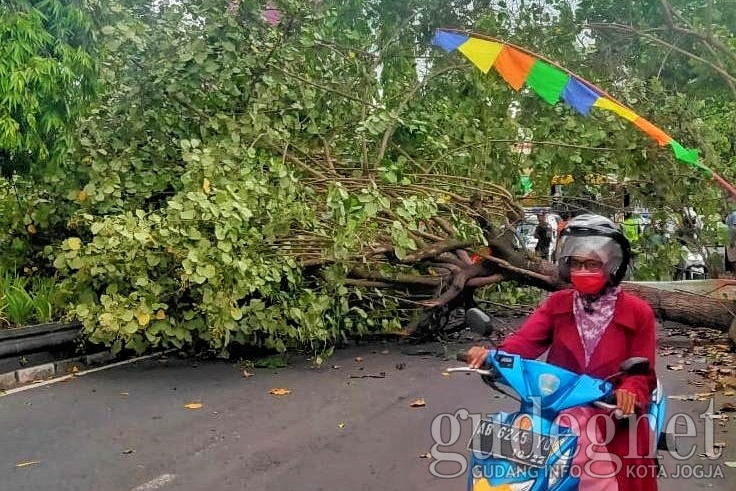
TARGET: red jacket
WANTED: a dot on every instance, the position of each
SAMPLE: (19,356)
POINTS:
(630,333)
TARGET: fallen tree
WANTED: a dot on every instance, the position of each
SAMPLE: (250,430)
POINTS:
(464,270)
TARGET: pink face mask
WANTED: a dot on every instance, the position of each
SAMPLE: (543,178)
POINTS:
(588,282)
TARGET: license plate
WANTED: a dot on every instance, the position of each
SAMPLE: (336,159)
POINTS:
(515,444)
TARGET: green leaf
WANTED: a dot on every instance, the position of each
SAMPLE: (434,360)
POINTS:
(130,327)
(208,271)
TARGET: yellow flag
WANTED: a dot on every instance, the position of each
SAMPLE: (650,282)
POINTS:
(609,105)
(481,52)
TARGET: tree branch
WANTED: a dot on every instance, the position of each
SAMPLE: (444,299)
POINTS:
(322,87)
(632,30)
(435,250)
(668,12)
(445,225)
(402,107)
(404,279)
(366,283)
(484,280)
(294,159)
(449,257)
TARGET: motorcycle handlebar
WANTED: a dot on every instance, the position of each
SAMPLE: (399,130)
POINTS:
(462,356)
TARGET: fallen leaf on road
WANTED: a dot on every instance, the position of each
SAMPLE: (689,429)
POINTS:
(728,407)
(193,405)
(247,374)
(689,397)
(28,463)
(675,367)
(730,463)
(419,402)
(425,455)
(341,425)
(358,359)
(279,392)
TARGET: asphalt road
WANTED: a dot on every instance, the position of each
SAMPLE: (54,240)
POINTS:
(127,428)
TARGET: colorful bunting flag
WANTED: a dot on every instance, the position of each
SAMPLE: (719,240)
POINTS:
(482,53)
(547,81)
(579,96)
(627,114)
(517,68)
(514,66)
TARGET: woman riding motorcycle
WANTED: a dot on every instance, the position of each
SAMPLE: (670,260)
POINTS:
(591,329)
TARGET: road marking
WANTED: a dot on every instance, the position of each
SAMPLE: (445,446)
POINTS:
(156,483)
(80,374)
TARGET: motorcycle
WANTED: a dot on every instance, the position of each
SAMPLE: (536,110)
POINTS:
(692,265)
(527,450)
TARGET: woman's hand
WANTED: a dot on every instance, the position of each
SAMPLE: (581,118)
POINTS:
(625,400)
(477,356)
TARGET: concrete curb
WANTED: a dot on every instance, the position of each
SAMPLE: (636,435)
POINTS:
(29,375)
(30,339)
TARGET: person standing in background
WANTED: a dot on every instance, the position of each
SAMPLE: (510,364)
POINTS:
(632,231)
(731,245)
(564,218)
(543,234)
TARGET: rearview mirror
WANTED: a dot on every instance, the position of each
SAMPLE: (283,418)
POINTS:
(479,322)
(637,365)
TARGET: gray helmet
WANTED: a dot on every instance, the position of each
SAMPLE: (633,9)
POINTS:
(595,235)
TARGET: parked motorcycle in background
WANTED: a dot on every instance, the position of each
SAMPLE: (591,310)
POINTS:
(692,265)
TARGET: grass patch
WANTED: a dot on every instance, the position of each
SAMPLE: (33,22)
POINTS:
(26,300)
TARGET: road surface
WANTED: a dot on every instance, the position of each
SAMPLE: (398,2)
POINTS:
(127,428)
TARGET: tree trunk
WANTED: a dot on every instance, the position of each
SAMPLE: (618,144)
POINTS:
(687,308)
(693,309)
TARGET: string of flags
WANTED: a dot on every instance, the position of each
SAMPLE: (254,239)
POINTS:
(518,68)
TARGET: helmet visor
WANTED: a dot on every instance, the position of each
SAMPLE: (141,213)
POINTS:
(592,247)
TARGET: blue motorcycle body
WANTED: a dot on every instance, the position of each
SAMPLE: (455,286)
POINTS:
(526,450)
